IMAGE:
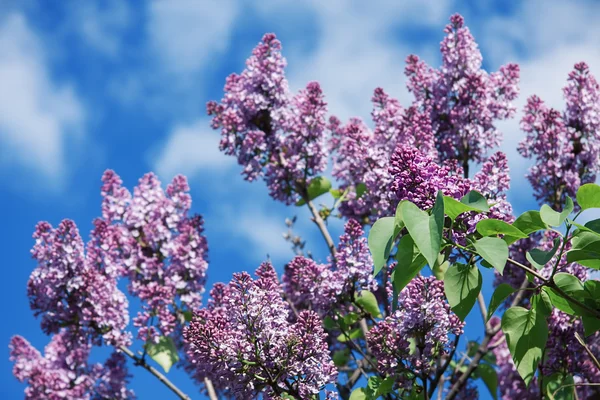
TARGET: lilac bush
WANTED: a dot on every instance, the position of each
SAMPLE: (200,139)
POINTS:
(384,315)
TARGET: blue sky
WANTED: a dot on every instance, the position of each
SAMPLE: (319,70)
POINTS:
(93,85)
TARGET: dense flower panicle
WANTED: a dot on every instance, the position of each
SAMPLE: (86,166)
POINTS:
(112,379)
(152,240)
(565,147)
(322,287)
(67,289)
(352,269)
(302,282)
(552,176)
(564,352)
(246,344)
(423,315)
(358,160)
(64,372)
(493,181)
(582,119)
(417,178)
(273,134)
(463,101)
(394,124)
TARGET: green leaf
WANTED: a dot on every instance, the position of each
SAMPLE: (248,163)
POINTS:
(560,302)
(318,186)
(361,189)
(341,357)
(500,294)
(538,258)
(368,302)
(556,387)
(410,262)
(489,376)
(462,284)
(336,193)
(381,242)
(352,335)
(585,249)
(555,218)
(526,335)
(573,287)
(493,250)
(541,303)
(588,196)
(476,200)
(350,318)
(188,315)
(593,225)
(385,386)
(453,208)
(425,229)
(493,227)
(591,324)
(529,222)
(359,394)
(164,352)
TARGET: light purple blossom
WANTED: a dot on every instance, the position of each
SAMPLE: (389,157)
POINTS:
(150,238)
(245,343)
(64,371)
(463,100)
(273,134)
(423,320)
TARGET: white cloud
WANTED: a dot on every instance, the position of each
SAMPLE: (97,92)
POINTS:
(190,150)
(36,114)
(546,45)
(357,51)
(186,33)
(101,26)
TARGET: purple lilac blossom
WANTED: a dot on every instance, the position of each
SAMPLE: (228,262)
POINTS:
(423,316)
(244,342)
(323,287)
(64,372)
(565,147)
(150,238)
(67,289)
(273,134)
(462,100)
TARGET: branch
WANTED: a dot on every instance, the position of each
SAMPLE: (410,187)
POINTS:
(321,225)
(442,369)
(483,348)
(138,361)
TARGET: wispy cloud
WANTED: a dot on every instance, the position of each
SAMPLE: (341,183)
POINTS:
(357,50)
(37,114)
(101,26)
(185,34)
(190,150)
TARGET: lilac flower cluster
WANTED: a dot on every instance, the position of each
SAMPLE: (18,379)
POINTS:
(150,238)
(423,320)
(68,290)
(64,373)
(462,100)
(565,147)
(450,121)
(243,341)
(273,134)
(322,287)
(418,178)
